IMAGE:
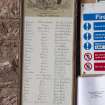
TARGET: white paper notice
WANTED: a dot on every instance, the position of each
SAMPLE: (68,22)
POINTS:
(48,51)
(91,91)
(103,1)
(92,38)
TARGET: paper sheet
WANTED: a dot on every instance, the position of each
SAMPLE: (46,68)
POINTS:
(48,52)
(49,8)
(91,91)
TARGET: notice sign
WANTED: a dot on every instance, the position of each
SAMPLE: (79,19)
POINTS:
(92,38)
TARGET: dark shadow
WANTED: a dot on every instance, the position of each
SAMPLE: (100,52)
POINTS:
(59,1)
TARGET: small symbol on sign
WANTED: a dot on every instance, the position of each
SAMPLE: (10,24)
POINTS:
(87,26)
(88,66)
(87,46)
(88,56)
(87,36)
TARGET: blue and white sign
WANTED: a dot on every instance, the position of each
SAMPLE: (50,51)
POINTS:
(99,45)
(87,46)
(99,25)
(87,36)
(87,26)
(93,16)
(99,35)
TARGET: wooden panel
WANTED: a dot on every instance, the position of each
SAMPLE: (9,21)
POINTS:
(88,1)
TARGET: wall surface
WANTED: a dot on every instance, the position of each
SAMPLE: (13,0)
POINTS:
(10,52)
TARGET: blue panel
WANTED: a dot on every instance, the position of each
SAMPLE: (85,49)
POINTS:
(99,25)
(95,16)
(99,35)
(99,45)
